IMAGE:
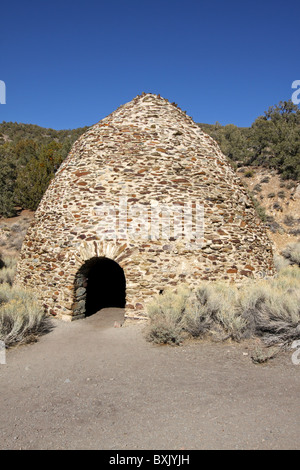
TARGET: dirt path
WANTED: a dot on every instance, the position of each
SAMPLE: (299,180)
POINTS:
(88,385)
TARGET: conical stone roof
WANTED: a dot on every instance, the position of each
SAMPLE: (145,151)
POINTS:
(146,155)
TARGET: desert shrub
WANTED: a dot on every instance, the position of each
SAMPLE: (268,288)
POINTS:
(210,309)
(289,220)
(290,274)
(11,237)
(197,319)
(249,173)
(262,354)
(272,310)
(292,253)
(274,227)
(165,313)
(269,309)
(280,262)
(16,227)
(265,179)
(281,194)
(7,275)
(277,206)
(8,270)
(271,195)
(22,318)
(220,301)
(290,185)
(260,210)
(257,188)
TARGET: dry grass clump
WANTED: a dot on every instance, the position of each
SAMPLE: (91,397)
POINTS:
(12,235)
(166,313)
(292,253)
(272,308)
(280,262)
(269,309)
(210,309)
(8,271)
(22,318)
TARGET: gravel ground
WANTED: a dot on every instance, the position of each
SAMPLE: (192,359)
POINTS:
(88,385)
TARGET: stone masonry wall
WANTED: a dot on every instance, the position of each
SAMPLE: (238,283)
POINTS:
(149,152)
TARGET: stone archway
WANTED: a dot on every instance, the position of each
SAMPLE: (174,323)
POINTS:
(99,283)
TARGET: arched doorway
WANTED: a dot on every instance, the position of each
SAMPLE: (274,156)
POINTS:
(100,283)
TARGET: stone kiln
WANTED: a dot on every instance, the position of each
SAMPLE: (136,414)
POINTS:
(145,153)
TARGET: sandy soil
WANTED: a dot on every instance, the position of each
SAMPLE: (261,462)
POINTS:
(88,385)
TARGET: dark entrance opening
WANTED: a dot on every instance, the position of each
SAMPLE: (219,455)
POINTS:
(104,283)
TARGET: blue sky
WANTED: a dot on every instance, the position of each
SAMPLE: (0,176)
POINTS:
(68,64)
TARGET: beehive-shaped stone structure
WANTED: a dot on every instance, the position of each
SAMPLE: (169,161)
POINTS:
(87,248)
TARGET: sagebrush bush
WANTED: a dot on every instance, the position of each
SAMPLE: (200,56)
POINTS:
(288,273)
(269,309)
(166,313)
(272,309)
(219,301)
(212,308)
(12,236)
(22,318)
(197,319)
(280,262)
(292,253)
(8,271)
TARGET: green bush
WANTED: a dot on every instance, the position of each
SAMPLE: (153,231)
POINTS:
(271,141)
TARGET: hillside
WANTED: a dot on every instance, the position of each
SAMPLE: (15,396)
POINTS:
(14,132)
(278,201)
